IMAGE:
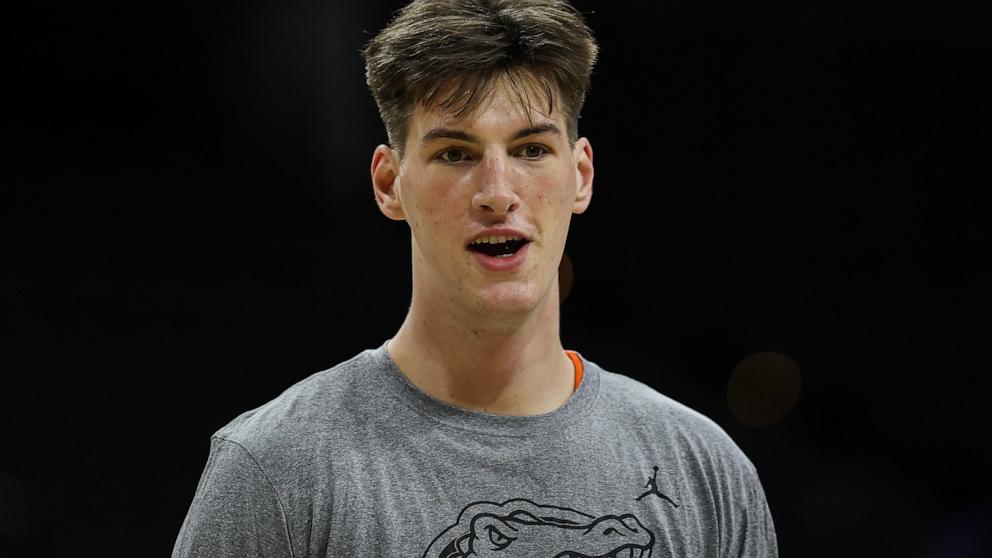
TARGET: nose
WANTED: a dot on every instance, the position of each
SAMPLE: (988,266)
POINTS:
(496,193)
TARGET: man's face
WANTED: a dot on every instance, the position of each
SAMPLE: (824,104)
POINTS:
(492,173)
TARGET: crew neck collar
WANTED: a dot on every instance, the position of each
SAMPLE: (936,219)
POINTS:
(393,381)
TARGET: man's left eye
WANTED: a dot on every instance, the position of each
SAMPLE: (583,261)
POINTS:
(453,156)
(533,151)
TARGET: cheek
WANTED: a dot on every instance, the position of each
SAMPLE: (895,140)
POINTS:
(554,194)
(425,211)
(433,219)
(550,193)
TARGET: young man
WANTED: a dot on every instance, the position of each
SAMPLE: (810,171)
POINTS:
(472,432)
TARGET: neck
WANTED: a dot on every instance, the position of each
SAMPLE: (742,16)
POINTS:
(505,365)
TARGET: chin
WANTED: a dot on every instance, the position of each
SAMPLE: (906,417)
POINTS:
(510,300)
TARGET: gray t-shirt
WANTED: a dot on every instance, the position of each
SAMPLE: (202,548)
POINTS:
(357,461)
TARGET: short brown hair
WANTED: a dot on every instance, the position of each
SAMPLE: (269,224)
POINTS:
(448,54)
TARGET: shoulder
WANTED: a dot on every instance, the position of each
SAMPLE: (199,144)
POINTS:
(288,423)
(656,416)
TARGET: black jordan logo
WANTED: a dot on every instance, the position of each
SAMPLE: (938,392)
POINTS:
(653,489)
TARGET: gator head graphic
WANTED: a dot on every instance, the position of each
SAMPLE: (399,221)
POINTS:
(522,529)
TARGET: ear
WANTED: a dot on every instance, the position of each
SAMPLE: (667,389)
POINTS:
(583,175)
(386,181)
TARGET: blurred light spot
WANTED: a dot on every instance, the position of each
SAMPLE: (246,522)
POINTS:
(763,389)
(965,534)
(566,275)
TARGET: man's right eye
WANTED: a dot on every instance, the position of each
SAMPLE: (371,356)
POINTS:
(453,156)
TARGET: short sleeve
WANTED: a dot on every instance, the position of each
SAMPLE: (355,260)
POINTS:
(236,511)
(757,537)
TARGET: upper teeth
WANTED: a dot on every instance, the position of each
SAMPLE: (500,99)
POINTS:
(495,239)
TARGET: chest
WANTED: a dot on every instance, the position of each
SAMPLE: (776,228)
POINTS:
(548,500)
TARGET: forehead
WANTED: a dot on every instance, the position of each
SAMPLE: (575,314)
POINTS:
(504,105)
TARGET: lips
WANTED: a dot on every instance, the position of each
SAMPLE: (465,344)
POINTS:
(506,262)
(500,247)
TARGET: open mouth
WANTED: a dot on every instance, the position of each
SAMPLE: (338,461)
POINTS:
(498,246)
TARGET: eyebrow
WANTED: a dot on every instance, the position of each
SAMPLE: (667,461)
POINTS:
(450,133)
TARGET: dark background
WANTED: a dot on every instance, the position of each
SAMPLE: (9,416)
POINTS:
(188,228)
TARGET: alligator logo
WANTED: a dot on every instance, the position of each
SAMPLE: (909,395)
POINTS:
(519,528)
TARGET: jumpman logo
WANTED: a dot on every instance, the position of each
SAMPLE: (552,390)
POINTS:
(654,488)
